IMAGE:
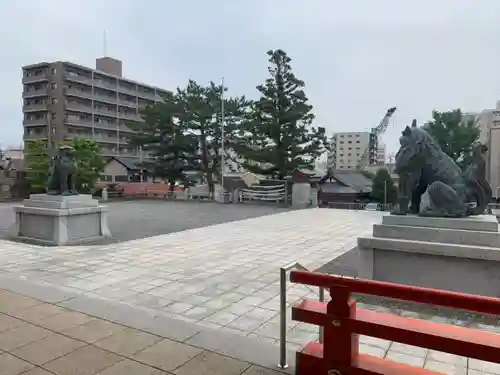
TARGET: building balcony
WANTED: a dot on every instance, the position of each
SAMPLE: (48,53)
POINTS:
(86,136)
(33,79)
(87,80)
(35,107)
(35,93)
(78,107)
(87,94)
(78,122)
(35,136)
(99,125)
(127,103)
(105,112)
(105,84)
(130,116)
(104,139)
(105,98)
(36,122)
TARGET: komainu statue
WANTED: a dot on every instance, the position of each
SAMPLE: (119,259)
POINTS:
(423,167)
(62,173)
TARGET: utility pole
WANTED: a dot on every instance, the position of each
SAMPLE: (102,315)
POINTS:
(222,123)
(385,195)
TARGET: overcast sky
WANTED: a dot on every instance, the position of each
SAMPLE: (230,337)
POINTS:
(357,57)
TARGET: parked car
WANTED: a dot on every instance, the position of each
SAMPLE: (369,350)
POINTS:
(371,207)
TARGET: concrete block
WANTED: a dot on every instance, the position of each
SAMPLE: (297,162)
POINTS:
(61,220)
(440,235)
(485,223)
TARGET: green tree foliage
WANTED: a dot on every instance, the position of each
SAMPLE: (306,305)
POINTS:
(383,188)
(455,134)
(173,150)
(200,115)
(279,137)
(37,163)
(87,156)
(90,163)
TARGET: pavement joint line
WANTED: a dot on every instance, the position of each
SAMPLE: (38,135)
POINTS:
(202,329)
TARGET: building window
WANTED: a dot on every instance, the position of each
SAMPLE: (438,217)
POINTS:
(350,135)
(357,135)
(349,141)
(54,86)
(357,141)
(341,142)
(54,101)
(53,71)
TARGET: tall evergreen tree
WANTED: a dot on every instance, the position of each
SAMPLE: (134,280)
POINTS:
(278,136)
(171,149)
(455,133)
(201,114)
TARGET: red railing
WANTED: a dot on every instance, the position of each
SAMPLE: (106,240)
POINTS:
(342,322)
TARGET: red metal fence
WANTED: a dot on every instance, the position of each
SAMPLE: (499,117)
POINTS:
(343,322)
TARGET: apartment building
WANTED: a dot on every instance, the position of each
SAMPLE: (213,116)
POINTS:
(63,100)
(348,148)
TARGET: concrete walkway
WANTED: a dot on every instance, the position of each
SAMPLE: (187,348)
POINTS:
(214,289)
(39,338)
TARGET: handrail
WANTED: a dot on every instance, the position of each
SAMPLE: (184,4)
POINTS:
(462,301)
(283,270)
(343,322)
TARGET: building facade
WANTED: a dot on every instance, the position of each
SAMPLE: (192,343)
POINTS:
(62,100)
(347,149)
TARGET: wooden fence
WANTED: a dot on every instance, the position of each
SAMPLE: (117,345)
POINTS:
(342,322)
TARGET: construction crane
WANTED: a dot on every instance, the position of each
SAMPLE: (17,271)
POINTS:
(370,154)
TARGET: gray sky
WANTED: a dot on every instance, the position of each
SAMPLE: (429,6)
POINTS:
(357,57)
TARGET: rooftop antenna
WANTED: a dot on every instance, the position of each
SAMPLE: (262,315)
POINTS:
(105,43)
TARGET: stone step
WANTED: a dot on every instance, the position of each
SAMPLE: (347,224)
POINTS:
(437,235)
(484,223)
(430,248)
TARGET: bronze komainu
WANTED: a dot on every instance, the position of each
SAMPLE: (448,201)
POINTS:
(423,167)
(62,173)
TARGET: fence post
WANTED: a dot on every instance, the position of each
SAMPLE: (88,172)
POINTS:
(340,344)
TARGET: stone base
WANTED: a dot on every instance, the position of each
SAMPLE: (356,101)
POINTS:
(461,255)
(61,220)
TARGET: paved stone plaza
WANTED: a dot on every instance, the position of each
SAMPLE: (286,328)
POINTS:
(210,286)
(134,219)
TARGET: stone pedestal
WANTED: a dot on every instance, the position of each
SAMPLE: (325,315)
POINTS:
(61,220)
(461,255)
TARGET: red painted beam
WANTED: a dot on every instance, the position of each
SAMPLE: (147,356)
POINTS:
(469,302)
(310,362)
(461,341)
(310,311)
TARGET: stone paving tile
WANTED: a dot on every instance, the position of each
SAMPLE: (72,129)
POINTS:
(127,342)
(93,330)
(47,349)
(88,360)
(209,363)
(37,371)
(167,355)
(64,320)
(8,322)
(255,370)
(39,312)
(129,367)
(21,335)
(10,365)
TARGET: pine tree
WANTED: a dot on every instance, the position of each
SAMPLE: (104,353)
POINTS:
(383,187)
(171,149)
(278,136)
(201,114)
